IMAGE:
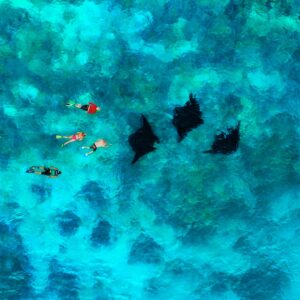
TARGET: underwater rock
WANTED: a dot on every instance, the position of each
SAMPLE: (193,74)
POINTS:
(15,277)
(68,223)
(175,9)
(145,250)
(232,10)
(101,234)
(153,287)
(263,282)
(93,193)
(272,159)
(243,245)
(76,2)
(285,7)
(187,117)
(12,19)
(41,190)
(177,267)
(181,271)
(220,282)
(158,202)
(234,208)
(62,283)
(102,292)
(142,140)
(184,274)
(4,160)
(269,4)
(226,142)
(10,145)
(198,234)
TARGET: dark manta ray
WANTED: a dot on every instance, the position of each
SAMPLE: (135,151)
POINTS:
(142,140)
(226,142)
(187,117)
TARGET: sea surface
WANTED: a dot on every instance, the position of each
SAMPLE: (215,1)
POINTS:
(178,224)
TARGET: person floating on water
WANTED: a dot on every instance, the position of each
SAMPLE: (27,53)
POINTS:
(51,172)
(99,143)
(79,136)
(90,108)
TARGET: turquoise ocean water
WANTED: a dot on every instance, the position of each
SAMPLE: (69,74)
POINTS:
(178,224)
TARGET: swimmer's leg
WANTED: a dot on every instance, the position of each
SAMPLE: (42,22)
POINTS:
(35,169)
(68,142)
(89,153)
(71,103)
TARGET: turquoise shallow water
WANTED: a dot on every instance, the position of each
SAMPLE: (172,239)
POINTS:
(178,224)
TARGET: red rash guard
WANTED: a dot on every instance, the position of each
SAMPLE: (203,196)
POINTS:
(92,108)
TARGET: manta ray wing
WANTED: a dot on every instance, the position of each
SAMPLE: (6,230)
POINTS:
(226,142)
(187,117)
(142,141)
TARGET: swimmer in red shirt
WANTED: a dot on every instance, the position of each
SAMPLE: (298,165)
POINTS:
(90,108)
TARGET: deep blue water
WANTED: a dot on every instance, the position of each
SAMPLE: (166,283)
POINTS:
(178,224)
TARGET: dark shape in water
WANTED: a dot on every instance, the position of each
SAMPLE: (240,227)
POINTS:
(145,250)
(12,19)
(68,223)
(41,190)
(93,193)
(226,142)
(187,117)
(269,4)
(4,159)
(232,10)
(220,282)
(266,281)
(101,233)
(15,270)
(142,140)
(198,234)
(62,282)
(243,245)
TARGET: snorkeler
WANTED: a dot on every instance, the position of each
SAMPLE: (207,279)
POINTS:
(90,108)
(99,143)
(79,136)
(51,172)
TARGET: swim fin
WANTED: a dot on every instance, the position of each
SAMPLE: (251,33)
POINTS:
(31,169)
(70,103)
(59,136)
